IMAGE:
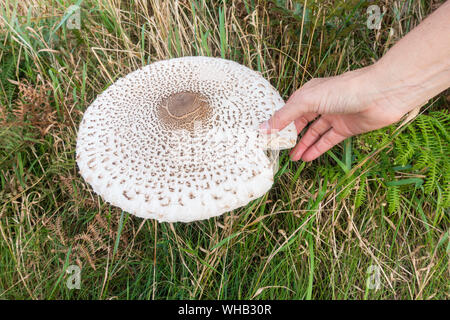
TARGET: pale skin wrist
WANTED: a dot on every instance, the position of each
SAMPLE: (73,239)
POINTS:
(409,87)
(417,67)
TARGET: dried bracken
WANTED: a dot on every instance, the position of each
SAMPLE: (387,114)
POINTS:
(32,106)
(93,242)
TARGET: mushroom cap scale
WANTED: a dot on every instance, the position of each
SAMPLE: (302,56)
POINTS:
(178,140)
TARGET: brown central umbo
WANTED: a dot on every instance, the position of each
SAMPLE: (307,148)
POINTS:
(183,110)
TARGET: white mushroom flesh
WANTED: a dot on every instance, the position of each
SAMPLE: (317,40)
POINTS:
(178,140)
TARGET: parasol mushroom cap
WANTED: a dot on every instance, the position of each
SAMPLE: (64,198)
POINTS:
(178,140)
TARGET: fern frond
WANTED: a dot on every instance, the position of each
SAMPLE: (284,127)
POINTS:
(405,150)
(446,185)
(441,120)
(393,198)
(432,176)
(7,70)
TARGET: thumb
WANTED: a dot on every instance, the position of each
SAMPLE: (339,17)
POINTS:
(294,108)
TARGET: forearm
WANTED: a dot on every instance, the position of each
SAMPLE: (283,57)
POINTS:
(420,62)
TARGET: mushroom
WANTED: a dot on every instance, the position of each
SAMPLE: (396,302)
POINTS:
(178,140)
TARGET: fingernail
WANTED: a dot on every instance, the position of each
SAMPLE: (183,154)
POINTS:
(292,155)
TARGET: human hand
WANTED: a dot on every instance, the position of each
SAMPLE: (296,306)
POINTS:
(340,107)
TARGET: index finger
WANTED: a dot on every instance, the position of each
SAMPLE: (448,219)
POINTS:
(293,109)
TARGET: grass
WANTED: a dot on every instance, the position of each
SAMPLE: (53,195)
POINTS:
(378,201)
